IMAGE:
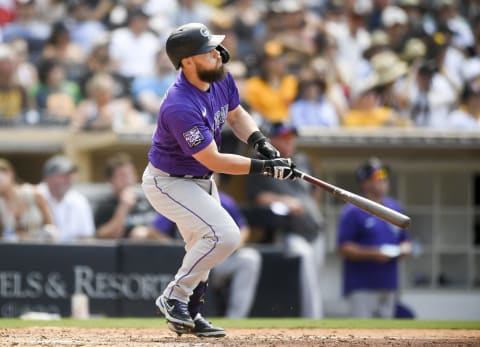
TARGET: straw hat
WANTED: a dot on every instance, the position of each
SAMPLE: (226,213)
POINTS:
(388,67)
(414,48)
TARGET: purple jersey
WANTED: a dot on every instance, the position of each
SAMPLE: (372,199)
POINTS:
(165,226)
(358,226)
(189,119)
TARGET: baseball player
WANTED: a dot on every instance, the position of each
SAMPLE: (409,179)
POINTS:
(185,152)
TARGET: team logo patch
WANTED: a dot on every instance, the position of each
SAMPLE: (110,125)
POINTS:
(193,137)
(205,32)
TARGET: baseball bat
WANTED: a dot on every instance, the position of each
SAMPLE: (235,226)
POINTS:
(365,204)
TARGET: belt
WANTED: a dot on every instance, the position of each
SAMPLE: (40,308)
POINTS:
(204,177)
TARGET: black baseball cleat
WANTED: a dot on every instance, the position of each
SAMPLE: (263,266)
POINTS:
(175,312)
(178,328)
(204,328)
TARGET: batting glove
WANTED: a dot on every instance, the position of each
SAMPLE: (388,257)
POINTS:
(260,143)
(278,168)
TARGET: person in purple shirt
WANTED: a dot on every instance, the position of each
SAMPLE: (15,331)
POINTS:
(371,247)
(185,152)
(240,271)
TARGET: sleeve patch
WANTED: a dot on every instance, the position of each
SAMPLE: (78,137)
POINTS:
(193,137)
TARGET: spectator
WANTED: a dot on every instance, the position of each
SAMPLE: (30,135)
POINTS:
(371,247)
(304,234)
(125,213)
(55,97)
(192,11)
(244,17)
(134,47)
(240,271)
(467,116)
(351,40)
(366,108)
(26,73)
(100,61)
(13,97)
(101,110)
(328,63)
(313,107)
(60,46)
(430,98)
(24,213)
(395,22)
(71,210)
(270,93)
(390,71)
(29,28)
(83,27)
(148,91)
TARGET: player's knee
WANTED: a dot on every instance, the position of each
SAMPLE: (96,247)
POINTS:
(229,239)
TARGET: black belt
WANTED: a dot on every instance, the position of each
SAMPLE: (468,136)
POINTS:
(204,177)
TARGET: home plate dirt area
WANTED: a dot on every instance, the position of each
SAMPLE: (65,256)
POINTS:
(86,337)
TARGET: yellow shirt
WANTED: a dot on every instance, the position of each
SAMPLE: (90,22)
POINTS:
(380,116)
(272,104)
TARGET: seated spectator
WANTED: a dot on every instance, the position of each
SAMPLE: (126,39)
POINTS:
(192,11)
(100,61)
(60,46)
(270,92)
(125,213)
(313,108)
(366,109)
(134,46)
(390,71)
(28,27)
(26,73)
(83,25)
(240,271)
(101,110)
(467,116)
(72,213)
(303,233)
(430,98)
(13,97)
(24,212)
(55,96)
(148,91)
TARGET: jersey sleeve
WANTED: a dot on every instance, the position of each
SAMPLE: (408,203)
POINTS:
(188,128)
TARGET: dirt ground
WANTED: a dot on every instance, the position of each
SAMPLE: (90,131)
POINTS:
(49,336)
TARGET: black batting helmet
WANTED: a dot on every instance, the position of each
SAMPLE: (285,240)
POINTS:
(192,39)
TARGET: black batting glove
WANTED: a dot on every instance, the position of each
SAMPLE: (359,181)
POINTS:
(278,168)
(260,143)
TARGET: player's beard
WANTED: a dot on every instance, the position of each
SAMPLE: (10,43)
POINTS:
(211,76)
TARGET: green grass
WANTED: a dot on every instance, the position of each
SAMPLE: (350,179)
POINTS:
(250,323)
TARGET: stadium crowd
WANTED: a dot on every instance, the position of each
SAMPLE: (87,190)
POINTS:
(99,64)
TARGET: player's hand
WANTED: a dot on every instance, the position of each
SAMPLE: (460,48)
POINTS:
(260,143)
(279,168)
(266,149)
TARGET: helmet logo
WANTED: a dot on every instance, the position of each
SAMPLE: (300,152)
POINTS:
(205,32)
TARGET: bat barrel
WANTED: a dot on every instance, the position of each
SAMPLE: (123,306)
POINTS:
(361,202)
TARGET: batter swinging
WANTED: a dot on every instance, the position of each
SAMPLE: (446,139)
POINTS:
(184,153)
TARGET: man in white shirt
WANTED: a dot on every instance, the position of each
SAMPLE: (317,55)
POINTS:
(72,213)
